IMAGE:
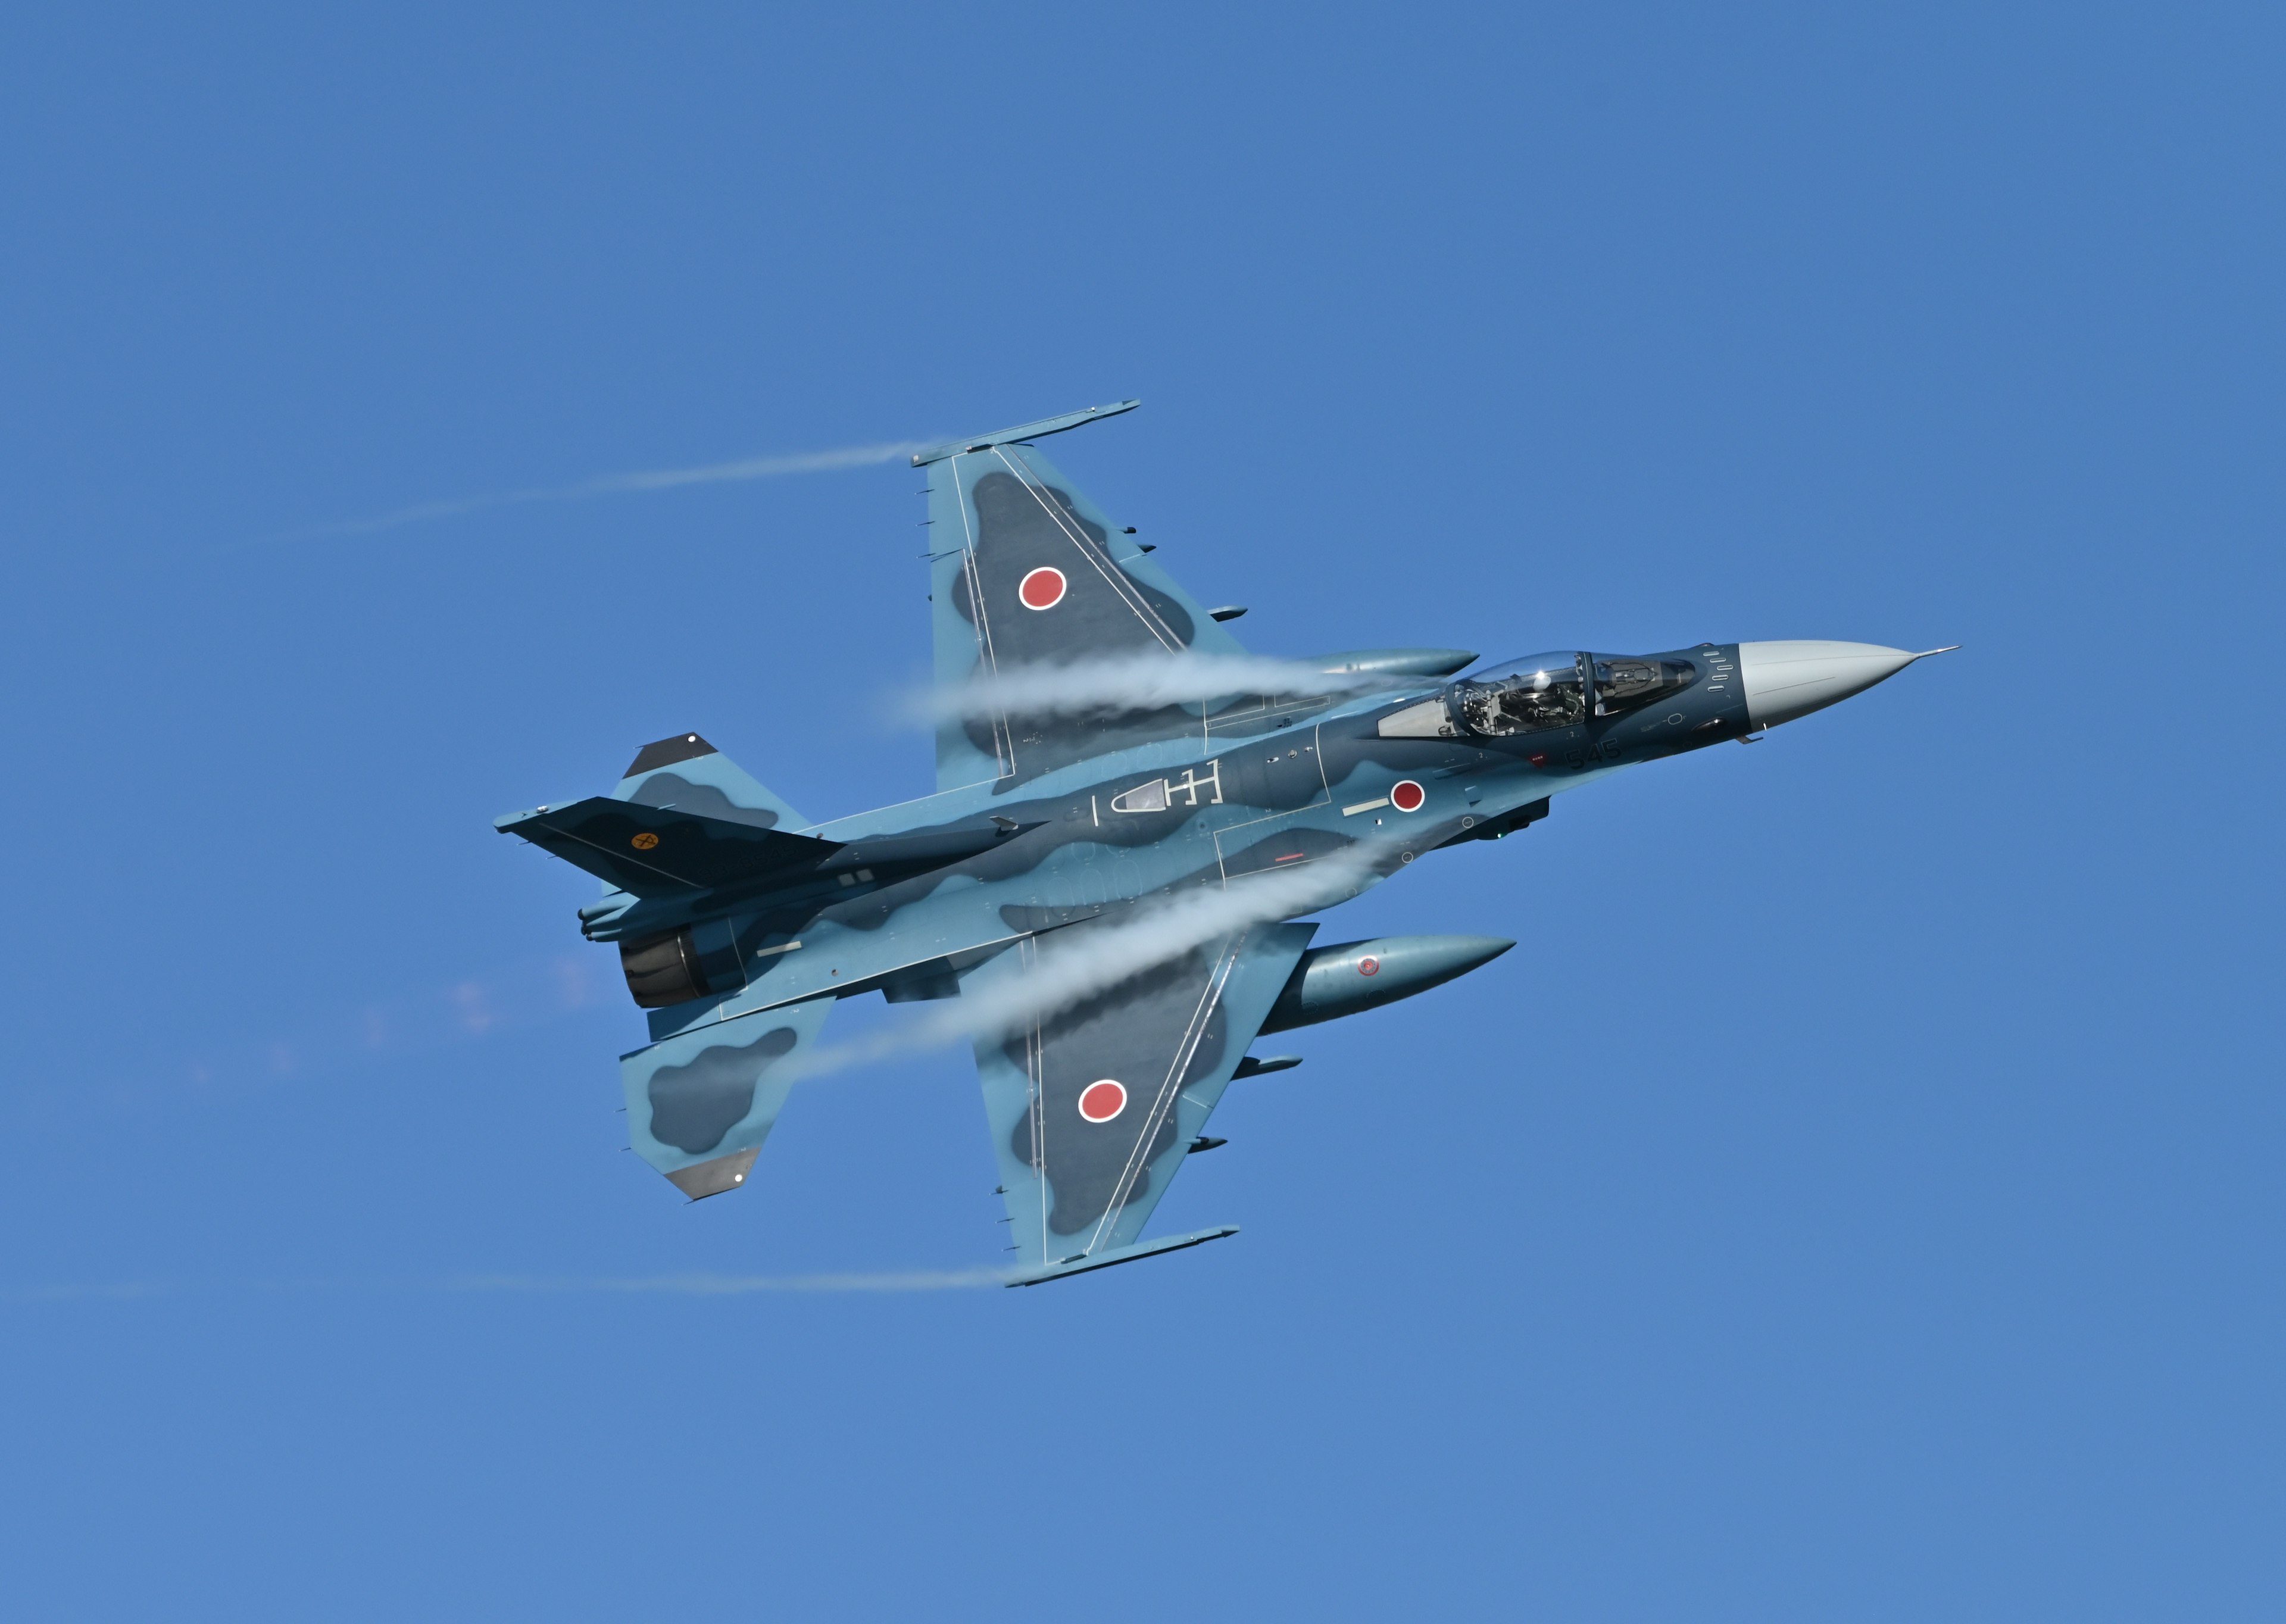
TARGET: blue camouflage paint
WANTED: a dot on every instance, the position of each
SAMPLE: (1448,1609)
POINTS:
(716,1090)
(739,923)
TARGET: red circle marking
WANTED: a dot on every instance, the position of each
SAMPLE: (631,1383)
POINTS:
(1407,796)
(1042,589)
(1102,1101)
(1369,966)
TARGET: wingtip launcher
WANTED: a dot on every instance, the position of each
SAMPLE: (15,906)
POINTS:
(1023,431)
(1088,1261)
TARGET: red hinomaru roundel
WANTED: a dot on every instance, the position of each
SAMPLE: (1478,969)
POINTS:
(1102,1102)
(1407,796)
(1042,589)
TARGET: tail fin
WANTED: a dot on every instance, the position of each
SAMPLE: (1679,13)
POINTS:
(689,774)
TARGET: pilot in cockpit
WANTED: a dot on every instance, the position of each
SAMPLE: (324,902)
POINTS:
(1554,691)
(1524,696)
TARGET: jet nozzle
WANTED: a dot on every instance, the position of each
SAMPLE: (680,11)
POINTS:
(1783,681)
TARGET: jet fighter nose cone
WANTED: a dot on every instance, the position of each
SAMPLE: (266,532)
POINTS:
(1785,680)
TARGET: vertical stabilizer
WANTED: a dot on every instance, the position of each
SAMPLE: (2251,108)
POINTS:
(691,774)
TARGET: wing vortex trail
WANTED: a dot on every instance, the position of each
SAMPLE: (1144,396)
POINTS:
(1082,966)
(611,484)
(1139,682)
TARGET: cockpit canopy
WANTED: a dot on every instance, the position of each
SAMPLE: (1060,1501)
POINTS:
(1524,696)
(1561,690)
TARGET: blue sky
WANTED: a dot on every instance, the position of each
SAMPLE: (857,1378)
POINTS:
(1858,1196)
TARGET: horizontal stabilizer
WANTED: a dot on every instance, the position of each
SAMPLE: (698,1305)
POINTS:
(1125,1254)
(700,1104)
(663,851)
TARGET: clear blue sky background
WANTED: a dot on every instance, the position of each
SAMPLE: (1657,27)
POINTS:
(1857,1198)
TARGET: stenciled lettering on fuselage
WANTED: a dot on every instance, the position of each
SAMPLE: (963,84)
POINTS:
(1162,793)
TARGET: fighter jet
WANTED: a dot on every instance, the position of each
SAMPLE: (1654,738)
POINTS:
(1130,814)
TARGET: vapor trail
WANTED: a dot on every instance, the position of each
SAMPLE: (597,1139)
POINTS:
(651,1285)
(608,485)
(1138,681)
(1077,963)
(739,1285)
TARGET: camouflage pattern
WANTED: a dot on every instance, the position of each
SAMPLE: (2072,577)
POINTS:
(739,922)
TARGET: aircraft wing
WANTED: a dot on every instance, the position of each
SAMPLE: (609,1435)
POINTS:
(1026,570)
(700,1103)
(1094,1106)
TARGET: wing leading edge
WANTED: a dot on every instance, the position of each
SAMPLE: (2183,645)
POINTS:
(1092,1109)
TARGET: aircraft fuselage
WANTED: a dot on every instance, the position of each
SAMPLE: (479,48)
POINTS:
(1303,781)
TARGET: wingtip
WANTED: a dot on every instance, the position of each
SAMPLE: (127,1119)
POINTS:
(1024,432)
(1085,1263)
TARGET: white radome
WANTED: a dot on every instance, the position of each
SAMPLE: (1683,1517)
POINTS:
(1783,681)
